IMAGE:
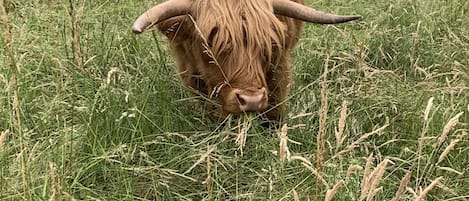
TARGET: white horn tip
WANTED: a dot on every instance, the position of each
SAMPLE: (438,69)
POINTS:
(137,30)
(138,27)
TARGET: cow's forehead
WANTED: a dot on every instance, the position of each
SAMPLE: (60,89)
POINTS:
(241,26)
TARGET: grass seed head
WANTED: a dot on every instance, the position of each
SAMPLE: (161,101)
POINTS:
(366,175)
(447,150)
(448,127)
(427,109)
(245,124)
(302,159)
(296,197)
(402,186)
(54,183)
(375,177)
(284,152)
(372,194)
(351,169)
(3,138)
(424,193)
(448,169)
(331,192)
(343,115)
(357,142)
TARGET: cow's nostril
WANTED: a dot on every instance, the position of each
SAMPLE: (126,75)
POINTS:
(251,102)
(241,100)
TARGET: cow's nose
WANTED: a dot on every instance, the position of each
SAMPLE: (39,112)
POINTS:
(252,102)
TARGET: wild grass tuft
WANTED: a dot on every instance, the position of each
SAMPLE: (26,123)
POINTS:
(15,102)
(75,15)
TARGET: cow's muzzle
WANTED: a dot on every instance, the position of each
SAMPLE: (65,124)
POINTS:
(250,100)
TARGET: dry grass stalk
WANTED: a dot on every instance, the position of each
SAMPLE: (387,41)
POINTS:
(54,182)
(338,134)
(378,173)
(402,186)
(447,189)
(16,119)
(201,159)
(369,188)
(420,143)
(351,169)
(448,169)
(366,174)
(422,138)
(448,127)
(296,197)
(241,139)
(411,191)
(32,152)
(284,152)
(424,193)
(331,192)
(372,194)
(3,137)
(359,141)
(109,75)
(302,159)
(5,82)
(427,110)
(208,180)
(76,30)
(447,150)
(320,138)
(302,114)
(319,177)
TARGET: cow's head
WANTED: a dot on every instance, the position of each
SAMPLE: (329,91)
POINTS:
(234,44)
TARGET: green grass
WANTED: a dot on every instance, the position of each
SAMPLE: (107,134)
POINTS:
(125,128)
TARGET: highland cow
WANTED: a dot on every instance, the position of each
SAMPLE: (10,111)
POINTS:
(236,50)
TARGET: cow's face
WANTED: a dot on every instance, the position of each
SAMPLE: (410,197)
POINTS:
(237,79)
(239,86)
(238,53)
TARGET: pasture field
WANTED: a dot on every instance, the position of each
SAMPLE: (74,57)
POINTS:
(379,110)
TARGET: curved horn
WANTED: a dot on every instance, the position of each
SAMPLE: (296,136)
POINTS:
(161,12)
(298,11)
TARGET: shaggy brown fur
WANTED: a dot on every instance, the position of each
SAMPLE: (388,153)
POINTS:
(234,44)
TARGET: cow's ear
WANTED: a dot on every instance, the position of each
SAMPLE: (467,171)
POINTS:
(176,27)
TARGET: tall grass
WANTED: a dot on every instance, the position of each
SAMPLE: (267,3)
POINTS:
(15,118)
(379,110)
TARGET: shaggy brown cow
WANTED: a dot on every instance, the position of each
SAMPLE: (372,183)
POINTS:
(236,50)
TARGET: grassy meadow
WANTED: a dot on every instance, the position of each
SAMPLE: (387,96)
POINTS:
(379,110)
